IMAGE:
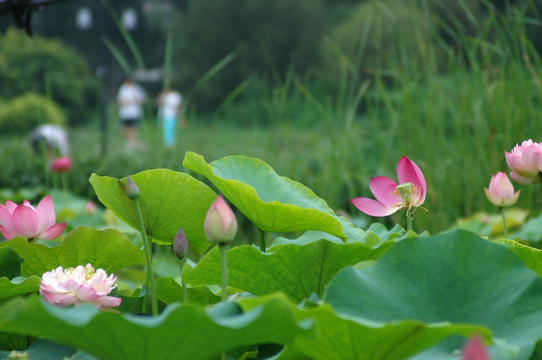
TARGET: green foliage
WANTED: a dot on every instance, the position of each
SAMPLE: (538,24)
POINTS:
(180,332)
(341,336)
(264,36)
(276,203)
(108,250)
(299,271)
(18,286)
(20,165)
(453,277)
(21,114)
(168,199)
(373,37)
(50,68)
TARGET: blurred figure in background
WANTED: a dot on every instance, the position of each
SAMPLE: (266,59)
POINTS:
(130,98)
(169,107)
(51,138)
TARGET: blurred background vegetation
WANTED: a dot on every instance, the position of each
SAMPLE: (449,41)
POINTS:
(328,92)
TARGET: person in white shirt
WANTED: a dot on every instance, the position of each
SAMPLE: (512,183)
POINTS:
(169,108)
(52,138)
(130,98)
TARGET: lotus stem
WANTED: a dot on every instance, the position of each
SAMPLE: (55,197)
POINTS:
(505,229)
(185,292)
(224,265)
(147,245)
(262,240)
(409,220)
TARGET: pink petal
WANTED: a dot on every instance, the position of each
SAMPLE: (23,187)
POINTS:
(523,180)
(53,232)
(87,293)
(372,207)
(5,219)
(24,221)
(501,185)
(383,189)
(46,214)
(11,206)
(495,200)
(474,350)
(5,234)
(512,200)
(61,299)
(109,301)
(409,172)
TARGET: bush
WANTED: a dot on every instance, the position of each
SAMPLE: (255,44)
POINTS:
(22,114)
(47,67)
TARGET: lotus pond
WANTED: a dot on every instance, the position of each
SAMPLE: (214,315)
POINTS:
(309,284)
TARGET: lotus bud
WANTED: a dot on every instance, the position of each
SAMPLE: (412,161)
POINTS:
(501,191)
(61,164)
(220,223)
(131,188)
(180,245)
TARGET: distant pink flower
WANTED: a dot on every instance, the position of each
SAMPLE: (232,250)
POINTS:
(78,286)
(29,222)
(525,160)
(61,164)
(90,208)
(474,350)
(220,224)
(390,197)
(501,191)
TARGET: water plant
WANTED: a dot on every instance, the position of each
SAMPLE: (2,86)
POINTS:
(323,288)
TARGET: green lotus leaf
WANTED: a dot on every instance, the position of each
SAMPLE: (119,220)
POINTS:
(168,200)
(10,263)
(296,270)
(272,202)
(456,277)
(18,286)
(169,291)
(341,336)
(179,332)
(531,257)
(108,250)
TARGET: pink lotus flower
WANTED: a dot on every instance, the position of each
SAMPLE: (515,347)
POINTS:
(29,222)
(390,197)
(501,191)
(526,162)
(474,350)
(78,286)
(61,164)
(220,223)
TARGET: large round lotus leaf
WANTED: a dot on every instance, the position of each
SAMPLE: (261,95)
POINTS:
(168,200)
(456,277)
(179,332)
(109,250)
(297,270)
(272,202)
(345,337)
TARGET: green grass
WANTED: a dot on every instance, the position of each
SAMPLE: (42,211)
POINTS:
(453,110)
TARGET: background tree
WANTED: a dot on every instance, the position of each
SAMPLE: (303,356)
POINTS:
(49,68)
(267,37)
